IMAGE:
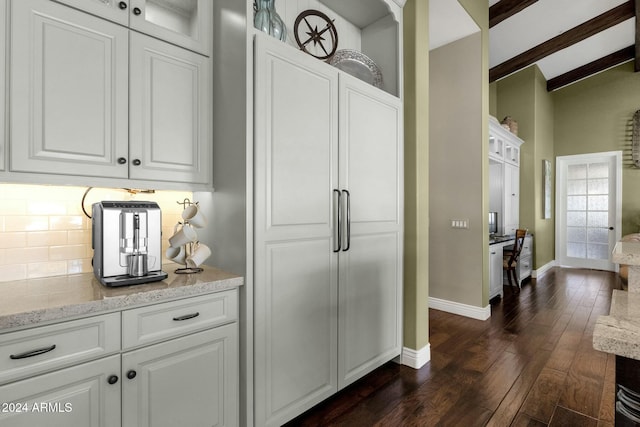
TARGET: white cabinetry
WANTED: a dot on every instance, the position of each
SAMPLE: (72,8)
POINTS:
(91,98)
(328,224)
(178,366)
(525,264)
(184,23)
(504,177)
(495,270)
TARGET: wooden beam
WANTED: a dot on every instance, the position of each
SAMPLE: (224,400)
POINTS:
(593,67)
(585,30)
(637,54)
(506,8)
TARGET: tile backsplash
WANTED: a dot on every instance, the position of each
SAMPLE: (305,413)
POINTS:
(44,231)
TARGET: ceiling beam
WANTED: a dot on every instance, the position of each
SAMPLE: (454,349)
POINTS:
(576,34)
(616,58)
(506,8)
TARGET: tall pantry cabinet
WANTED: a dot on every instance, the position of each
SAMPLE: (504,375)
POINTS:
(328,235)
(309,207)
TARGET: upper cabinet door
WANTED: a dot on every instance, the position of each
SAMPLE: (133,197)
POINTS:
(170,120)
(69,85)
(186,23)
(113,10)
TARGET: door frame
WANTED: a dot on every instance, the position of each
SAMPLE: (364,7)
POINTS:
(561,162)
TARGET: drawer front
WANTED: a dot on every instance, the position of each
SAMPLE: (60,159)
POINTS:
(526,247)
(33,351)
(524,267)
(159,322)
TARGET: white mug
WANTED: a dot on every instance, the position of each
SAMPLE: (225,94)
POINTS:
(193,214)
(176,255)
(185,235)
(200,253)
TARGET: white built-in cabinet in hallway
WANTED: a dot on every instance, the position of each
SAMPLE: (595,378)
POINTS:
(328,230)
(504,177)
(91,98)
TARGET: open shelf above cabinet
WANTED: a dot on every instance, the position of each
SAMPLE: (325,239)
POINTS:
(372,27)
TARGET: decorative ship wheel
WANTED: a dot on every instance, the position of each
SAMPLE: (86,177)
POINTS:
(316,34)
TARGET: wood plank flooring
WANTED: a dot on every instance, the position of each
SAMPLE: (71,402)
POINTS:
(531,364)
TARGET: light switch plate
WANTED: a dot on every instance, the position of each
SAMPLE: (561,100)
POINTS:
(459,223)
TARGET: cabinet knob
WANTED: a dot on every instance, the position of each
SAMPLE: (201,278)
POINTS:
(136,11)
(136,162)
(131,374)
(122,5)
(122,160)
(112,379)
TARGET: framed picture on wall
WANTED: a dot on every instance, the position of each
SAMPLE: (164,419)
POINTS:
(546,189)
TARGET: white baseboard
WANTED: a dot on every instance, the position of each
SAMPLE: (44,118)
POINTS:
(416,359)
(540,271)
(480,313)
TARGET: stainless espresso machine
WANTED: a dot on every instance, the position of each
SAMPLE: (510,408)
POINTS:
(126,240)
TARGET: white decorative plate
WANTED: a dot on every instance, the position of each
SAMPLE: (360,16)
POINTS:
(358,65)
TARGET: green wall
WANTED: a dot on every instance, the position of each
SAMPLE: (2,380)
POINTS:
(524,97)
(594,115)
(416,132)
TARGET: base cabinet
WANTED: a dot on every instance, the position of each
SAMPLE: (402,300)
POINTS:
(189,381)
(80,396)
(495,271)
(188,376)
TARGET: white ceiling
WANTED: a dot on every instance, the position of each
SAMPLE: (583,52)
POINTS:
(448,22)
(543,20)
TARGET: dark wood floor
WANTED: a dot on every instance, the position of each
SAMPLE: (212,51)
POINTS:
(531,364)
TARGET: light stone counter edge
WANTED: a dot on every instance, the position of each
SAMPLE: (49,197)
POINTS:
(29,303)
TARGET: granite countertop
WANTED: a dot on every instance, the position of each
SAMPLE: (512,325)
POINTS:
(38,301)
(619,332)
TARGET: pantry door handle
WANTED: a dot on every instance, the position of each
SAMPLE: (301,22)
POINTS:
(32,353)
(337,214)
(348,220)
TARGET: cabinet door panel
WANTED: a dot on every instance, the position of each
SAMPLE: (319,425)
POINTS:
(369,305)
(188,381)
(170,112)
(370,154)
(186,23)
(295,266)
(80,396)
(512,198)
(69,98)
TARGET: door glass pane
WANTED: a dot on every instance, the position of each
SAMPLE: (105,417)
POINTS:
(598,170)
(598,186)
(577,171)
(598,219)
(576,203)
(576,234)
(176,15)
(576,250)
(598,203)
(576,186)
(575,219)
(598,235)
(597,251)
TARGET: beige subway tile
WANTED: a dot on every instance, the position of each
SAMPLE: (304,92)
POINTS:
(46,269)
(77,266)
(47,238)
(67,222)
(13,272)
(26,223)
(26,255)
(76,237)
(46,207)
(13,240)
(13,207)
(69,252)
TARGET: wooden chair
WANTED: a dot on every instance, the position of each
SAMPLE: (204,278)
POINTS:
(510,257)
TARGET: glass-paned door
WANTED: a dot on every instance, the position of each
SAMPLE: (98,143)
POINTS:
(588,206)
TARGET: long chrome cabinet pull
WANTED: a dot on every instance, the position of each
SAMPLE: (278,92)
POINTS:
(348,220)
(337,209)
(32,353)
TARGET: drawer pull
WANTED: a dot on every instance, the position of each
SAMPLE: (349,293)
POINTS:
(32,353)
(186,317)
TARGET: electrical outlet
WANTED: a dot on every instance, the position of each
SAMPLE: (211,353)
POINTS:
(459,223)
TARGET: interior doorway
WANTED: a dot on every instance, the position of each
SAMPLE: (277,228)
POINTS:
(588,209)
